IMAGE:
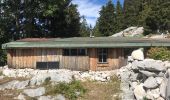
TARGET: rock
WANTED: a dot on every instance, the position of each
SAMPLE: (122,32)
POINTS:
(133,85)
(130,59)
(153,94)
(152,66)
(14,85)
(147,73)
(133,76)
(159,80)
(59,97)
(160,98)
(130,32)
(34,92)
(139,92)
(138,54)
(128,95)
(39,79)
(45,98)
(150,83)
(21,97)
(163,88)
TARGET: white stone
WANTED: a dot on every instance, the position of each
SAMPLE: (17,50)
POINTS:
(130,32)
(34,92)
(163,88)
(154,93)
(160,98)
(138,54)
(59,97)
(21,97)
(150,83)
(147,73)
(15,84)
(45,98)
(151,66)
(139,92)
(159,80)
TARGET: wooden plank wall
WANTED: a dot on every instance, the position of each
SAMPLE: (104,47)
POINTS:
(115,60)
(27,58)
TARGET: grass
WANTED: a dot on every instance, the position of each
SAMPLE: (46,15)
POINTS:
(70,90)
(102,91)
(89,90)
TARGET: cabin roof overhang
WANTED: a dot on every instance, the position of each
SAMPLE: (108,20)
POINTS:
(87,42)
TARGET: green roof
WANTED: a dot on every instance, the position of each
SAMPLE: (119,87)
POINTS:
(86,42)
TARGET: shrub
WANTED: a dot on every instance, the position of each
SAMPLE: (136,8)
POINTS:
(159,53)
(70,90)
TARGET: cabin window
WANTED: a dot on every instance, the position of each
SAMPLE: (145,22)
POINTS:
(102,55)
(74,52)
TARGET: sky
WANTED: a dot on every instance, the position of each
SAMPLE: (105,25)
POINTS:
(90,9)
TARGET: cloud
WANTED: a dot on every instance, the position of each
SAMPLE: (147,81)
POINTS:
(88,8)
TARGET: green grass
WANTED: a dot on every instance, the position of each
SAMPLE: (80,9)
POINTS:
(69,90)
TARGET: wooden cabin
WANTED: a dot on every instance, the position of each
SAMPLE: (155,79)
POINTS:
(78,53)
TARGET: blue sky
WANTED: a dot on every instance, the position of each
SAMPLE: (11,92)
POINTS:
(90,8)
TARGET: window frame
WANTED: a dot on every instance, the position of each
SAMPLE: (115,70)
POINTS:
(75,52)
(103,55)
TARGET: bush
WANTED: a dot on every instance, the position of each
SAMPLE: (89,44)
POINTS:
(159,53)
(70,90)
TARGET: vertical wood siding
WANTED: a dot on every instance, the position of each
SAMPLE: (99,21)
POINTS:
(27,58)
(115,60)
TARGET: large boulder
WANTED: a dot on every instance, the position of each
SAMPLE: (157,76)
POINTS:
(34,92)
(130,32)
(139,92)
(138,54)
(150,83)
(152,66)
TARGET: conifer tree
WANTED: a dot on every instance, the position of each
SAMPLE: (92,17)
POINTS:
(119,17)
(84,28)
(107,18)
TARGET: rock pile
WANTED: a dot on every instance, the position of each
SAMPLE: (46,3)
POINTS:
(144,79)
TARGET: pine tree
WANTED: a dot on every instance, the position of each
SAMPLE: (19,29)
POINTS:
(84,28)
(131,10)
(107,18)
(119,17)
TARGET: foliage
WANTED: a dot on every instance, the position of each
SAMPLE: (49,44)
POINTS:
(84,28)
(107,18)
(69,90)
(159,53)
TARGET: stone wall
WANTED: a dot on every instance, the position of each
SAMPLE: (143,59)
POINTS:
(144,79)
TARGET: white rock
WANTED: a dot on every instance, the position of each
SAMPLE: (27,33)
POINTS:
(160,98)
(14,85)
(150,83)
(45,98)
(130,32)
(133,85)
(138,54)
(34,92)
(21,97)
(154,93)
(163,88)
(147,73)
(151,66)
(139,92)
(159,80)
(59,97)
